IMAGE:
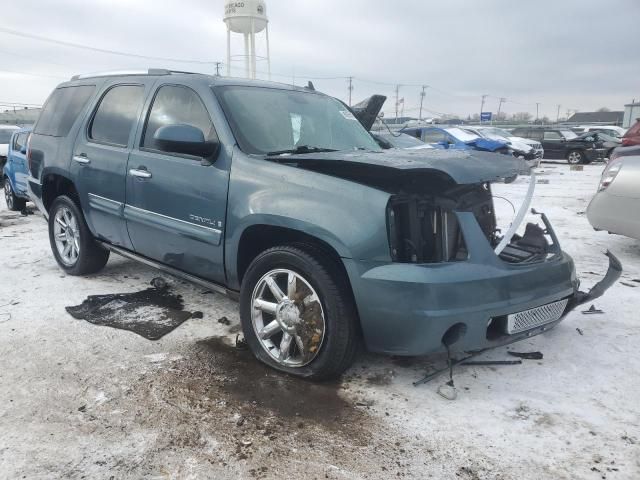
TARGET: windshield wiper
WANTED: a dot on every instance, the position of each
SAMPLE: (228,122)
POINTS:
(301,149)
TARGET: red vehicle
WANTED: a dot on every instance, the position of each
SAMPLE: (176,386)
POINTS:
(632,137)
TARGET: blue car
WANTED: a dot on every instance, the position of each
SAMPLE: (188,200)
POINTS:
(456,138)
(16,171)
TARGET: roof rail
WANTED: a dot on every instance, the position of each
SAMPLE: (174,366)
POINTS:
(117,73)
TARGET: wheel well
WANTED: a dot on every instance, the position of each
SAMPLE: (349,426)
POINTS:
(55,185)
(258,238)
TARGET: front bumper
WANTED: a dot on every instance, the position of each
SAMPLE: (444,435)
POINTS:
(595,154)
(405,309)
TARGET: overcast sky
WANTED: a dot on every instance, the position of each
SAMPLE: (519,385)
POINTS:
(581,54)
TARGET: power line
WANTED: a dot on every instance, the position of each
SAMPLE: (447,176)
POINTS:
(34,74)
(40,38)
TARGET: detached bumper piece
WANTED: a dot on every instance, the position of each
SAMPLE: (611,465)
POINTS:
(613,274)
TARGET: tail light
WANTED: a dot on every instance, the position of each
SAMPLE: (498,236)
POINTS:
(609,174)
(29,152)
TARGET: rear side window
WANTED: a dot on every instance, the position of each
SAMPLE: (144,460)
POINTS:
(116,115)
(433,136)
(61,110)
(535,135)
(552,136)
(19,141)
(177,105)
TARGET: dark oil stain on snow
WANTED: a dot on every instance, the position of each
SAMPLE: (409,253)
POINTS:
(249,381)
(151,313)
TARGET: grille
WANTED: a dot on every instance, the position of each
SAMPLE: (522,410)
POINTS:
(521,321)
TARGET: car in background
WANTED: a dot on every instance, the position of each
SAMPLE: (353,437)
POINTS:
(562,143)
(611,130)
(520,149)
(5,137)
(501,132)
(388,140)
(15,171)
(457,138)
(615,208)
(632,136)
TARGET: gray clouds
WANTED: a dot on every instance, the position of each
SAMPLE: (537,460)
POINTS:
(580,54)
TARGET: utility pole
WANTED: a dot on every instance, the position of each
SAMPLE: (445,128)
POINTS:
(397,98)
(422,95)
(350,89)
(537,107)
(218,68)
(558,115)
(502,100)
(482,106)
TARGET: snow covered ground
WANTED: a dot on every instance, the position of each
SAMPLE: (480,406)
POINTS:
(84,401)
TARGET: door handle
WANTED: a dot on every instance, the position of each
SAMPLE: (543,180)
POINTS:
(81,159)
(140,172)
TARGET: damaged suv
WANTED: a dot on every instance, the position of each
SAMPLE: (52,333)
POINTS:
(279,197)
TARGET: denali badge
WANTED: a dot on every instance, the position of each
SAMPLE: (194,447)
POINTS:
(205,221)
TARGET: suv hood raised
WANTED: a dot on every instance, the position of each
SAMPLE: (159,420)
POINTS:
(460,166)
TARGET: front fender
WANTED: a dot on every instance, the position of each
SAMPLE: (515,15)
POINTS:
(348,216)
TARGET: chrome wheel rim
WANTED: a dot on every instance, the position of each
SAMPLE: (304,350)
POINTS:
(8,194)
(67,236)
(574,157)
(287,318)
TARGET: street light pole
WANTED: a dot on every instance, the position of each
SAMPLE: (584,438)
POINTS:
(350,89)
(482,106)
(422,95)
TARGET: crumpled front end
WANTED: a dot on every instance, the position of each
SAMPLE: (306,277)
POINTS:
(450,265)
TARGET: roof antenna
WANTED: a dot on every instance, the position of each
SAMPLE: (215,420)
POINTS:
(310,86)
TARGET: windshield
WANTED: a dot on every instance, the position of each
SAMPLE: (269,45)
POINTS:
(268,120)
(5,134)
(402,141)
(568,134)
(462,135)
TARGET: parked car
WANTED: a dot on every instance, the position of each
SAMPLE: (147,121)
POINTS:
(562,143)
(388,140)
(616,206)
(501,132)
(632,136)
(457,138)
(15,171)
(5,138)
(611,130)
(277,196)
(519,149)
(602,141)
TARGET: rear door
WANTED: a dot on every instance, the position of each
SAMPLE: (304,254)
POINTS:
(176,205)
(18,159)
(100,157)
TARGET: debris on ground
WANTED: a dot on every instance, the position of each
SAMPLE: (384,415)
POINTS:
(448,390)
(224,321)
(628,284)
(197,314)
(527,355)
(159,283)
(592,310)
(579,330)
(487,363)
(241,343)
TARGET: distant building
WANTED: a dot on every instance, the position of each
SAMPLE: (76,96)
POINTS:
(631,114)
(609,118)
(22,116)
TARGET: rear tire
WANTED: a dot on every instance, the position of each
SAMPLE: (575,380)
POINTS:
(318,312)
(575,157)
(14,203)
(72,243)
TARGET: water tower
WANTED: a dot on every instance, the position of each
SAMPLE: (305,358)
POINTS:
(247,17)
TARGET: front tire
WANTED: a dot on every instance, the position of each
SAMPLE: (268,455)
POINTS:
(72,243)
(575,157)
(297,312)
(14,203)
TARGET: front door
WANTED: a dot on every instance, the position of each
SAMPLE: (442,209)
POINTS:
(176,204)
(553,144)
(100,157)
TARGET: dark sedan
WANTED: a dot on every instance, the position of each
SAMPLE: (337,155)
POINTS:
(562,143)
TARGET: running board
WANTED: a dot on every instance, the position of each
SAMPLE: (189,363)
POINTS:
(172,271)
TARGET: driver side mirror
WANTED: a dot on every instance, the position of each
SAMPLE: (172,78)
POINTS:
(23,150)
(444,143)
(185,139)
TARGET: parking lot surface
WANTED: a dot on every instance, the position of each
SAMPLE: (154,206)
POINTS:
(79,400)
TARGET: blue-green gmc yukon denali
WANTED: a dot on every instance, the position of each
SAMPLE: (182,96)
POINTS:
(279,196)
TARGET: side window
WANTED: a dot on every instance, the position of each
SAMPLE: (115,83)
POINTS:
(535,135)
(62,109)
(175,105)
(433,136)
(19,142)
(552,136)
(116,115)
